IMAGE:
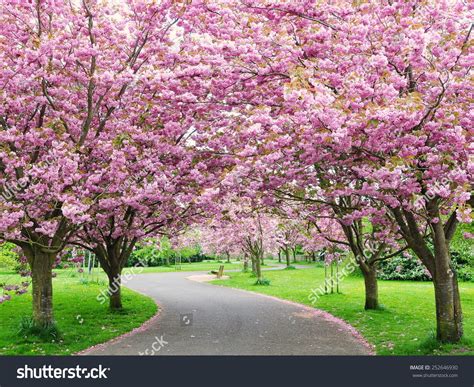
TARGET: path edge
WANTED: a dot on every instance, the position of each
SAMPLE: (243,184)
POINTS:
(147,324)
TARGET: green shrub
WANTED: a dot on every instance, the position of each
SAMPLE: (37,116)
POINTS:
(263,281)
(411,268)
(463,246)
(8,257)
(403,268)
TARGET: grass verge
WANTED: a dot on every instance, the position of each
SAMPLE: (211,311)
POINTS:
(404,325)
(80,319)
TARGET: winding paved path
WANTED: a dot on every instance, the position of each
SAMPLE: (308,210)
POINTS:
(228,321)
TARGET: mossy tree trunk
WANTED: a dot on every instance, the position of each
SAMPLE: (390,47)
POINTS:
(41,265)
(258,268)
(115,287)
(371,287)
(449,327)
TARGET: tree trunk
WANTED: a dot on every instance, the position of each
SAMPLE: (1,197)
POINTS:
(258,268)
(371,288)
(228,257)
(279,256)
(254,266)
(294,254)
(287,256)
(115,284)
(449,327)
(42,283)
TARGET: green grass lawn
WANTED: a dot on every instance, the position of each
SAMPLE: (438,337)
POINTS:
(81,319)
(405,325)
(198,266)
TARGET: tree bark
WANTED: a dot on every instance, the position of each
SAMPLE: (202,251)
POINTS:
(371,288)
(42,285)
(115,285)
(279,256)
(112,262)
(449,328)
(294,254)
(448,303)
(287,256)
(258,268)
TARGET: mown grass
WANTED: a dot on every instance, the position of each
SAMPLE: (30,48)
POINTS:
(404,325)
(197,266)
(82,321)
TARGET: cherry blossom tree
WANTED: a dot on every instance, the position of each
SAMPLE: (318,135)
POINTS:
(379,105)
(399,88)
(244,226)
(219,241)
(83,88)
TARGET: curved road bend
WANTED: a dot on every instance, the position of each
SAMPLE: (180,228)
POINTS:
(202,319)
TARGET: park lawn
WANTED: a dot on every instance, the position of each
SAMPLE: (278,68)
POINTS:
(405,325)
(81,319)
(197,266)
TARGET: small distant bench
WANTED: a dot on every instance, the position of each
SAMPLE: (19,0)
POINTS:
(219,273)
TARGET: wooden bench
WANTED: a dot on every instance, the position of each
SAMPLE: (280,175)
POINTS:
(219,273)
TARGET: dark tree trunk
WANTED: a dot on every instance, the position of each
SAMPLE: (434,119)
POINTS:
(254,266)
(279,256)
(115,284)
(113,263)
(42,283)
(258,268)
(449,328)
(294,254)
(371,287)
(287,256)
(228,257)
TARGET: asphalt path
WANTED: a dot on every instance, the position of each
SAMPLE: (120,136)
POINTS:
(198,318)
